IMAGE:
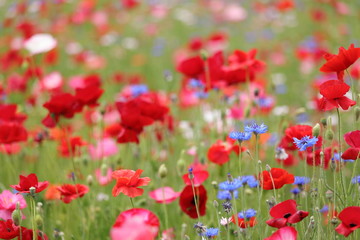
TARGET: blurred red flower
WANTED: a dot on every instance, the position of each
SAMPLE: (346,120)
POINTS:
(30,181)
(350,220)
(275,178)
(27,234)
(353,139)
(11,132)
(220,151)
(8,230)
(333,92)
(244,222)
(128,182)
(64,104)
(284,213)
(89,95)
(187,202)
(70,146)
(70,192)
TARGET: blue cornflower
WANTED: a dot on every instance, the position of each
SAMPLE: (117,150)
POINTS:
(305,142)
(138,89)
(210,233)
(301,180)
(356,179)
(250,180)
(230,185)
(226,195)
(264,102)
(240,136)
(256,129)
(324,209)
(247,214)
(195,83)
(295,191)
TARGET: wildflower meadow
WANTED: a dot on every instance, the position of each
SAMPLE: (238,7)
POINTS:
(179,119)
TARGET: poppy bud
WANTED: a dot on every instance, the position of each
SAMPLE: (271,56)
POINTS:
(334,221)
(329,195)
(329,134)
(32,191)
(103,169)
(181,163)
(323,122)
(248,191)
(204,55)
(16,217)
(90,180)
(268,168)
(316,130)
(216,204)
(39,221)
(214,184)
(162,171)
(357,113)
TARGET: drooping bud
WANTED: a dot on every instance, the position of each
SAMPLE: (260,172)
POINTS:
(181,165)
(323,122)
(316,130)
(204,55)
(329,134)
(357,113)
(16,217)
(162,171)
(90,180)
(39,221)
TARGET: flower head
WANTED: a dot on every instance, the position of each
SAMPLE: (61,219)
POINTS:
(305,142)
(30,181)
(70,192)
(128,181)
(256,129)
(350,220)
(249,180)
(285,212)
(210,233)
(247,214)
(275,178)
(240,136)
(187,202)
(230,185)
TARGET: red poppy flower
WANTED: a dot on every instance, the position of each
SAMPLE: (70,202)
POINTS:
(285,233)
(187,202)
(70,192)
(8,113)
(350,220)
(199,177)
(191,67)
(353,139)
(340,62)
(70,146)
(284,213)
(27,234)
(128,182)
(12,133)
(278,178)
(333,92)
(219,152)
(30,181)
(144,221)
(89,95)
(243,222)
(64,104)
(8,230)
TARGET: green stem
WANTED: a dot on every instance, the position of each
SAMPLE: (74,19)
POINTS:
(340,152)
(164,206)
(132,203)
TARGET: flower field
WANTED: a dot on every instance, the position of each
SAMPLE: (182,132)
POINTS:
(203,119)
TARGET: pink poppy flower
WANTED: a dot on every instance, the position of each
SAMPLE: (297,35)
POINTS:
(103,180)
(144,221)
(104,148)
(164,195)
(285,233)
(8,202)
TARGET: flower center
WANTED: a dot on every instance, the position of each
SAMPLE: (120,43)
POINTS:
(352,225)
(287,215)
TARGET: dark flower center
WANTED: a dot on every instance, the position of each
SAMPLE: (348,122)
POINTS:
(287,215)
(352,225)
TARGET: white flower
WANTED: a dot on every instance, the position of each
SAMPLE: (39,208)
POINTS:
(40,43)
(225,221)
